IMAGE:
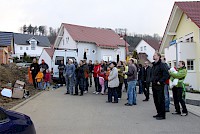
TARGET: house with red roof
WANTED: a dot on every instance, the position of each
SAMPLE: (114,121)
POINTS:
(97,43)
(148,47)
(181,40)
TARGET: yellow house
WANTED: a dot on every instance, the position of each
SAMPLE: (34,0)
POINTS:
(181,40)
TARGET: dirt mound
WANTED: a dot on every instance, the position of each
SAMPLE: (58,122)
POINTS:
(9,74)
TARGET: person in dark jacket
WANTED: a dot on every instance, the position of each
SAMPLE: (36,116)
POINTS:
(34,69)
(91,68)
(79,72)
(140,79)
(61,69)
(86,74)
(146,79)
(159,75)
(44,66)
(121,69)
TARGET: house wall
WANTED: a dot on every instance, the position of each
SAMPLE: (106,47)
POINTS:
(1,55)
(33,53)
(90,55)
(44,55)
(187,50)
(67,41)
(149,50)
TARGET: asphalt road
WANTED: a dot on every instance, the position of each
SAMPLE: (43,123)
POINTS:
(55,113)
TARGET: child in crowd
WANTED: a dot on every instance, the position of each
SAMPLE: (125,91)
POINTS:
(106,79)
(101,80)
(47,79)
(39,78)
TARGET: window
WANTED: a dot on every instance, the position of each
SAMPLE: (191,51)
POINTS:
(145,48)
(141,48)
(26,48)
(33,44)
(58,60)
(3,116)
(192,39)
(190,64)
(67,39)
(21,48)
(188,40)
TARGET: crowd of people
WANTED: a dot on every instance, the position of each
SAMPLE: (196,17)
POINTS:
(109,78)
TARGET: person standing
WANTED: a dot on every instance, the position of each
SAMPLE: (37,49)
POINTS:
(79,79)
(113,83)
(121,69)
(69,75)
(132,80)
(125,76)
(39,78)
(86,74)
(140,79)
(97,70)
(159,75)
(166,89)
(44,66)
(61,69)
(47,79)
(146,79)
(178,89)
(91,67)
(34,69)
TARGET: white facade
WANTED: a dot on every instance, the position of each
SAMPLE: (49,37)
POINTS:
(185,53)
(144,47)
(44,55)
(30,50)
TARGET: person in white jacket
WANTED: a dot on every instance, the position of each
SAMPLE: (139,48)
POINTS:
(113,83)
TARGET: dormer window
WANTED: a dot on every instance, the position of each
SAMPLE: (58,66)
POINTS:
(33,44)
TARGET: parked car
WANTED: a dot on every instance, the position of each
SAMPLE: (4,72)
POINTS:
(15,123)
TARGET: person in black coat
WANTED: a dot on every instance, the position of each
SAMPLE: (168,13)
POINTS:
(44,66)
(91,68)
(140,79)
(146,79)
(79,73)
(34,69)
(61,69)
(159,75)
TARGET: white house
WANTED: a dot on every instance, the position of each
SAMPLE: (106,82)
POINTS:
(97,43)
(181,40)
(47,55)
(148,46)
(31,44)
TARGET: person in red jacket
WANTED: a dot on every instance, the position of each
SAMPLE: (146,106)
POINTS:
(47,79)
(97,69)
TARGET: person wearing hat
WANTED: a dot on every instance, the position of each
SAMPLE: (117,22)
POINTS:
(70,76)
(113,83)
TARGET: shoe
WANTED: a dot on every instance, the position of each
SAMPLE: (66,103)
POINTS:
(134,104)
(184,114)
(145,100)
(177,113)
(119,98)
(155,116)
(114,102)
(97,93)
(108,101)
(102,93)
(66,93)
(80,95)
(160,118)
(94,92)
(127,104)
(85,92)
(75,94)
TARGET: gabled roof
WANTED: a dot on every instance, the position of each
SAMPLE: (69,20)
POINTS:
(143,58)
(191,9)
(100,37)
(50,51)
(153,43)
(5,38)
(22,39)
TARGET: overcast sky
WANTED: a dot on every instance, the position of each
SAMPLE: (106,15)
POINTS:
(138,16)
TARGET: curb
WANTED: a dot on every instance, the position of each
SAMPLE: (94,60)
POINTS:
(26,101)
